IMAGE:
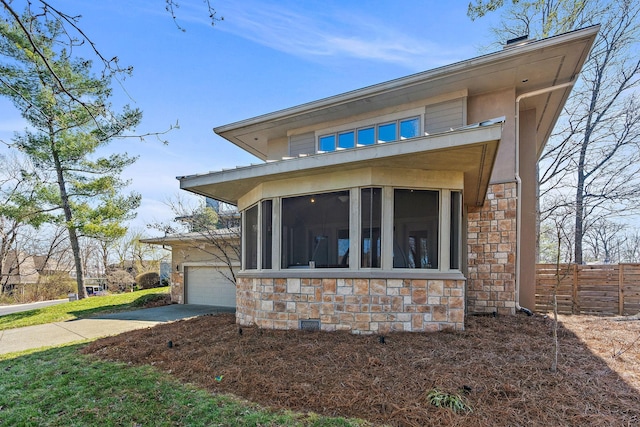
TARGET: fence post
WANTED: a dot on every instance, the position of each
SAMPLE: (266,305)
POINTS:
(575,307)
(620,289)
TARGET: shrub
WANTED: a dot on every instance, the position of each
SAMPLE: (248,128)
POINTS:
(152,300)
(148,280)
(447,400)
(119,281)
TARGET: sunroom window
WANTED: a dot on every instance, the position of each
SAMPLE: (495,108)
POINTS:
(371,222)
(251,238)
(415,228)
(315,231)
(267,233)
(456,230)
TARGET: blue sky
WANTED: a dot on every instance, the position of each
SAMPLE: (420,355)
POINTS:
(264,56)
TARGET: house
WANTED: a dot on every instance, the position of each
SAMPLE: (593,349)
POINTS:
(49,266)
(18,268)
(402,206)
(204,265)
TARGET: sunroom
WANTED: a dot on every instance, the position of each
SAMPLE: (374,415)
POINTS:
(366,237)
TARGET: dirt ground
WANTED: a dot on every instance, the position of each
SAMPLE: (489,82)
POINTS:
(499,367)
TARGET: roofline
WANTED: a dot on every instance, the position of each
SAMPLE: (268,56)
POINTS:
(228,233)
(410,80)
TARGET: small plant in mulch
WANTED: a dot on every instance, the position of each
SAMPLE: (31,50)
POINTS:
(452,401)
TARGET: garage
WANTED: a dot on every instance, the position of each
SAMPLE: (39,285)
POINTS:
(206,285)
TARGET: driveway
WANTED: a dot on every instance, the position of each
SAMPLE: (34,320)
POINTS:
(59,333)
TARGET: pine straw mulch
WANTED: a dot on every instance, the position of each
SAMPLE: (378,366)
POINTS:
(499,366)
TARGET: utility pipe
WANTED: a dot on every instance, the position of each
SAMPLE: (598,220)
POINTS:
(519,182)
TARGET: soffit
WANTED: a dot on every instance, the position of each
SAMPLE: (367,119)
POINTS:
(471,151)
(535,65)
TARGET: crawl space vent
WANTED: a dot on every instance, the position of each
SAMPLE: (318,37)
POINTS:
(310,325)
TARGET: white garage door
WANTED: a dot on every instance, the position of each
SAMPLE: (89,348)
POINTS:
(205,285)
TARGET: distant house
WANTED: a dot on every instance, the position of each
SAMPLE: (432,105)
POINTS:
(18,268)
(401,206)
(48,266)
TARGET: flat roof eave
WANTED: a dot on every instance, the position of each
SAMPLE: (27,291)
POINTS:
(253,134)
(470,150)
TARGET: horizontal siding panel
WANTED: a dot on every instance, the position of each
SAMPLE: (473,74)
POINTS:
(444,116)
(302,144)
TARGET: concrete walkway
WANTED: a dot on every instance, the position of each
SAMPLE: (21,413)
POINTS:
(58,333)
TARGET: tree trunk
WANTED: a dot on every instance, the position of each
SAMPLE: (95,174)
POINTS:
(68,216)
(579,229)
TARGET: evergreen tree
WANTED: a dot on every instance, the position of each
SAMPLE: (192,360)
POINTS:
(70,118)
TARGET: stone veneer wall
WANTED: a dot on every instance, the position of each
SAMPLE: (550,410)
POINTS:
(177,288)
(491,241)
(358,305)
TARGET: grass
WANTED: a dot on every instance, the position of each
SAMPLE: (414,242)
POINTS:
(60,387)
(79,309)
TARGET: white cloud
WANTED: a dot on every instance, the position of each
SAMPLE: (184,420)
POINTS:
(333,34)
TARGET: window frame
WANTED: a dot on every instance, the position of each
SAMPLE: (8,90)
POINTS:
(375,123)
(356,234)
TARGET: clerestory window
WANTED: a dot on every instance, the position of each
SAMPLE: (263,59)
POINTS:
(379,133)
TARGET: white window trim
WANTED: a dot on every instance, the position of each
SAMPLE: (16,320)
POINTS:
(386,262)
(370,122)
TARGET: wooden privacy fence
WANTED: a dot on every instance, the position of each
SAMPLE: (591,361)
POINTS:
(589,289)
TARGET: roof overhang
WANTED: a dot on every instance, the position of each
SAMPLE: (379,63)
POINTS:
(528,67)
(194,237)
(469,150)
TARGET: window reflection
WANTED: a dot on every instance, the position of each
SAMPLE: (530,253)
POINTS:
(366,136)
(387,132)
(327,143)
(409,128)
(315,231)
(251,238)
(346,140)
(371,216)
(415,228)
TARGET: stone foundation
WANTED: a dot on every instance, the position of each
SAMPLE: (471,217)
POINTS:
(491,241)
(363,306)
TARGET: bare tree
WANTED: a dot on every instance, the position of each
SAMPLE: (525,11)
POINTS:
(603,240)
(630,248)
(18,213)
(206,225)
(592,162)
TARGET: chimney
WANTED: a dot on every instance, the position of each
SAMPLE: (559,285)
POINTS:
(517,41)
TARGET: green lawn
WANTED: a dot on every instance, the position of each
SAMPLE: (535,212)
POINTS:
(61,387)
(78,309)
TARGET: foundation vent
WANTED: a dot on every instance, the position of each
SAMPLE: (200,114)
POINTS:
(310,325)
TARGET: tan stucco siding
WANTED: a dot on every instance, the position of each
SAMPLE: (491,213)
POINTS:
(278,148)
(410,178)
(528,231)
(192,253)
(489,106)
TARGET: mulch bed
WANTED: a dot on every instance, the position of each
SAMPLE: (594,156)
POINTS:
(500,367)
